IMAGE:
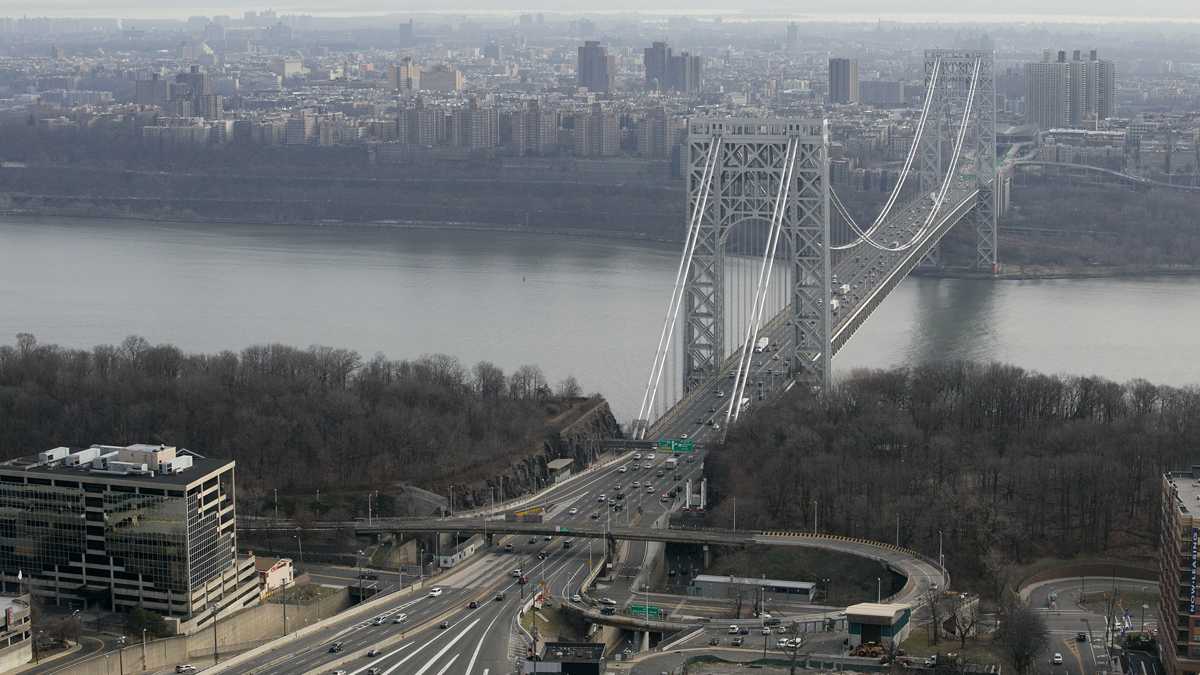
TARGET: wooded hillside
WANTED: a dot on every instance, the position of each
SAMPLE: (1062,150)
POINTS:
(1008,464)
(294,419)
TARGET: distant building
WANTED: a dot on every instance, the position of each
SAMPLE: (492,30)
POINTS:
(406,33)
(120,527)
(667,72)
(793,37)
(287,68)
(493,51)
(1075,93)
(882,93)
(598,133)
(1179,572)
(16,632)
(442,77)
(154,91)
(404,76)
(843,80)
(595,68)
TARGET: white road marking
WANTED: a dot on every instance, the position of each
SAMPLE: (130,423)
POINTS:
(447,666)
(440,654)
(385,656)
(479,645)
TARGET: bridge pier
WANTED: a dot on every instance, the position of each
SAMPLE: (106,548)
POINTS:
(645,641)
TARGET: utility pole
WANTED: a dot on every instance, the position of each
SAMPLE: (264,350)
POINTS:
(878,589)
(941,556)
(285,607)
(276,491)
(814,516)
(897,528)
(144,667)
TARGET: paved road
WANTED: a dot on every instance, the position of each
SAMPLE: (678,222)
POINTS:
(1066,618)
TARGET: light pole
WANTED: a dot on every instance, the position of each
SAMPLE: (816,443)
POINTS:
(878,589)
(941,556)
(144,667)
(1145,607)
(735,514)
(276,491)
(814,516)
(358,568)
(300,545)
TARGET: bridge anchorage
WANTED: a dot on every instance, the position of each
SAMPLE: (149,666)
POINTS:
(775,273)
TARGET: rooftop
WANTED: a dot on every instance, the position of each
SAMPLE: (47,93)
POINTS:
(160,464)
(1187,487)
(752,581)
(588,652)
(558,464)
(876,610)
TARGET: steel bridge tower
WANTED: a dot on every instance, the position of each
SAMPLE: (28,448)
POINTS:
(949,98)
(752,163)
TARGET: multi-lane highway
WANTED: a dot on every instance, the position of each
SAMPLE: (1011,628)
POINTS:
(483,639)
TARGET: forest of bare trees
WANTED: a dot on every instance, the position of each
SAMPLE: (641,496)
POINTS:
(1007,464)
(294,419)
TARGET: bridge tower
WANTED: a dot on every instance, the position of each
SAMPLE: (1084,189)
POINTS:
(753,160)
(949,99)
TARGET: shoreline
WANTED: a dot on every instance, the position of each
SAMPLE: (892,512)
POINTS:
(1020,273)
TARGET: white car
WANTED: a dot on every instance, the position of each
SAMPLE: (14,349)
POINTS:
(400,618)
(185,668)
(637,483)
(434,592)
(603,497)
(576,598)
(766,630)
(623,469)
(650,489)
(573,511)
(1056,659)
(637,455)
(652,455)
(733,630)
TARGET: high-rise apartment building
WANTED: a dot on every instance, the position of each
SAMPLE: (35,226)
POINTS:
(595,68)
(672,72)
(404,76)
(442,77)
(154,91)
(1179,573)
(597,133)
(1062,93)
(843,80)
(122,527)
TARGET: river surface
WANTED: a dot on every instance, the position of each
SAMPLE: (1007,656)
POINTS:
(588,307)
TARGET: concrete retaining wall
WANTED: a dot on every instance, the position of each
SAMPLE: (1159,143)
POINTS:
(242,631)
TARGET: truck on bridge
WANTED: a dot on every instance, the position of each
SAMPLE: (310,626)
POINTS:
(761,345)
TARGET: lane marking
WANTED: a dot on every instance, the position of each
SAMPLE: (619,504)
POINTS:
(479,645)
(441,652)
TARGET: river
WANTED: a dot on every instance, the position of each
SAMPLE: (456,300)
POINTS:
(588,307)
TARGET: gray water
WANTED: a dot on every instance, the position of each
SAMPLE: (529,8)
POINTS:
(587,307)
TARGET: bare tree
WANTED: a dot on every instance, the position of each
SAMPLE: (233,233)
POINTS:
(964,617)
(1022,635)
(569,388)
(934,600)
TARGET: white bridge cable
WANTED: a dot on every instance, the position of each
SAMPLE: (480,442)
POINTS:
(940,196)
(764,276)
(904,172)
(685,263)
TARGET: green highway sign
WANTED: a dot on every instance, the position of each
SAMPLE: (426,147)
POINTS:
(648,611)
(676,445)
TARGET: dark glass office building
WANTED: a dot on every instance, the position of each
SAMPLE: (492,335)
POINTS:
(122,527)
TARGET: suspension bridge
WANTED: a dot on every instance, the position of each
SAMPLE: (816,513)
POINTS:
(776,275)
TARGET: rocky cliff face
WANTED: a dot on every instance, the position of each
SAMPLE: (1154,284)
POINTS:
(579,439)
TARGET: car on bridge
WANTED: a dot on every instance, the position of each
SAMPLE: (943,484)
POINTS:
(637,455)
(435,592)
(400,618)
(572,512)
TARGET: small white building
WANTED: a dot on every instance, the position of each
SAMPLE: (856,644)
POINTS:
(878,622)
(273,574)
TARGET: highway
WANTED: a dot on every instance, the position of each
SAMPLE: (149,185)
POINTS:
(481,638)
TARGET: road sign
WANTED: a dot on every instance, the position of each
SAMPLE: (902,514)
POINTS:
(648,611)
(677,445)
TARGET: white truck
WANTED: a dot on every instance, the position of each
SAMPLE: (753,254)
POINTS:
(745,403)
(761,345)
(671,464)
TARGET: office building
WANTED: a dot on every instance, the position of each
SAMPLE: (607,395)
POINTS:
(595,68)
(793,37)
(120,527)
(672,72)
(154,91)
(843,80)
(1178,572)
(1075,93)
(16,632)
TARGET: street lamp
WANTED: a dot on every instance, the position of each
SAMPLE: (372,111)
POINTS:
(300,545)
(1144,608)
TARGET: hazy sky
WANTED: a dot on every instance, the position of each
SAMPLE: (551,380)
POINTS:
(1019,9)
